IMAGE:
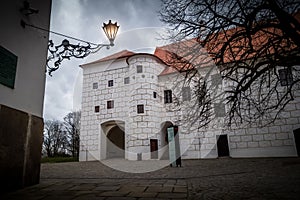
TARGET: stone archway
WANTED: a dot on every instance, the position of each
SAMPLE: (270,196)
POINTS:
(115,143)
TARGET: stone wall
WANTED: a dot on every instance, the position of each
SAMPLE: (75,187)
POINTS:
(20,148)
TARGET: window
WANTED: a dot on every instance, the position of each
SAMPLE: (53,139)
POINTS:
(216,79)
(219,109)
(186,94)
(285,76)
(126,80)
(139,69)
(97,108)
(154,95)
(110,104)
(140,108)
(95,85)
(168,96)
(110,83)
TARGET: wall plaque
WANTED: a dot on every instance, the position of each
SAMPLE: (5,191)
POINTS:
(8,67)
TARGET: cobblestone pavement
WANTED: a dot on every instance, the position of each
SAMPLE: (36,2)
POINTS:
(263,178)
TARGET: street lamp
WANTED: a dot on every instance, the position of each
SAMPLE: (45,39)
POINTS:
(66,50)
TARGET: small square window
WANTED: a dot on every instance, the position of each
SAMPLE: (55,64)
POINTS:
(110,104)
(140,108)
(139,69)
(95,85)
(219,109)
(285,76)
(126,80)
(110,83)
(216,79)
(168,96)
(97,109)
(154,95)
(186,94)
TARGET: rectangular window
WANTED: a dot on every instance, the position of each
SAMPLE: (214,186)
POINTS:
(285,76)
(110,104)
(139,69)
(126,80)
(219,109)
(216,79)
(154,95)
(140,108)
(186,94)
(168,96)
(95,85)
(97,109)
(110,83)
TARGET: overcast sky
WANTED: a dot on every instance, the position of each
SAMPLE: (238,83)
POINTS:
(83,19)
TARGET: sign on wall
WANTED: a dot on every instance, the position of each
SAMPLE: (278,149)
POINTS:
(172,150)
(8,67)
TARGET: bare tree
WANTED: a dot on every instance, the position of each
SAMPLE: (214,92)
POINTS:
(72,127)
(254,43)
(54,138)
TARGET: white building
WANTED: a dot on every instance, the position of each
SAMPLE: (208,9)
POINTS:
(23,55)
(129,99)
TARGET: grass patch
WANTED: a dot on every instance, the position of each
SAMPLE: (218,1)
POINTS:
(59,159)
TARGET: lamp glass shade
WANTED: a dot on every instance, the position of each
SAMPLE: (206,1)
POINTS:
(110,30)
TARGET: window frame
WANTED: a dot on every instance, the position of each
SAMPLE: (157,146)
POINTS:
(97,109)
(217,106)
(168,96)
(110,83)
(110,104)
(184,92)
(154,95)
(126,80)
(139,69)
(285,76)
(140,109)
(95,85)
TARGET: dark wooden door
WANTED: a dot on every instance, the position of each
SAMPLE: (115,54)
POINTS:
(154,148)
(222,145)
(297,140)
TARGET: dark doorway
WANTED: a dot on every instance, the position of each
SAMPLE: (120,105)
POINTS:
(297,140)
(154,148)
(115,143)
(222,145)
(164,140)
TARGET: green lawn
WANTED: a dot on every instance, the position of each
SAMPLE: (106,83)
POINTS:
(59,159)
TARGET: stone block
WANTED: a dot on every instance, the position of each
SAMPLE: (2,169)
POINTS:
(246,138)
(138,143)
(264,143)
(235,139)
(274,129)
(269,136)
(282,136)
(252,144)
(288,142)
(241,144)
(295,113)
(277,143)
(232,145)
(262,130)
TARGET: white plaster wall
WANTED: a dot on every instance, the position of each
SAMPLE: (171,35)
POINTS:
(244,141)
(30,45)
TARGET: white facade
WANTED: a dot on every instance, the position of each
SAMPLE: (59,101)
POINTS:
(28,92)
(132,88)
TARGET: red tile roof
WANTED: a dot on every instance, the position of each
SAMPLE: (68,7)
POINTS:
(118,55)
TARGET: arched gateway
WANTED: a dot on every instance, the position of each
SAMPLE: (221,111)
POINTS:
(114,138)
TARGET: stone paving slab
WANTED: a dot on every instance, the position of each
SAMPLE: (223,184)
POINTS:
(264,178)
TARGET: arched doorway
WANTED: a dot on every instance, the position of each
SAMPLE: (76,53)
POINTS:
(164,140)
(115,146)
